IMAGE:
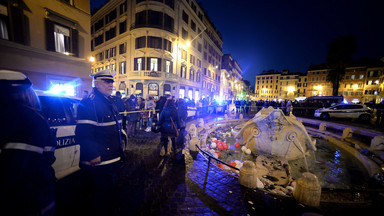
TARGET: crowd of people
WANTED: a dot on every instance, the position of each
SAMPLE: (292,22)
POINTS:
(28,179)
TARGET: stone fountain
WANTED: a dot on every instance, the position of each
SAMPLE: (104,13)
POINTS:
(271,132)
(275,139)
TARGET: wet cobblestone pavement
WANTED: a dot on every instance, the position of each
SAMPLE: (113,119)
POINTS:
(153,185)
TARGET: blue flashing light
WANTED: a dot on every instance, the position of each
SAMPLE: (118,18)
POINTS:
(68,88)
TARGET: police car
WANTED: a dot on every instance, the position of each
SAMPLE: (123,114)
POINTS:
(191,111)
(61,113)
(353,111)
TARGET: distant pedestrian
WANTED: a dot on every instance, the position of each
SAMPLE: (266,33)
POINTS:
(149,107)
(170,123)
(119,103)
(27,147)
(288,108)
(132,105)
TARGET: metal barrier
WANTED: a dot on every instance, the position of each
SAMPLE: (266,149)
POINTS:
(218,160)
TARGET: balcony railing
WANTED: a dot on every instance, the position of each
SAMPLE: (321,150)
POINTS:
(136,26)
(154,75)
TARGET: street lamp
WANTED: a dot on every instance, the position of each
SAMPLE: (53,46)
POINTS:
(188,43)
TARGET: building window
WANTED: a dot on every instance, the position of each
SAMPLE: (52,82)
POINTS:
(184,34)
(167,89)
(153,89)
(111,16)
(167,45)
(154,42)
(183,54)
(139,90)
(111,33)
(185,17)
(123,7)
(183,71)
(122,67)
(140,42)
(191,74)
(168,66)
(154,64)
(4,22)
(62,39)
(99,24)
(138,64)
(193,25)
(99,40)
(122,48)
(123,27)
(181,92)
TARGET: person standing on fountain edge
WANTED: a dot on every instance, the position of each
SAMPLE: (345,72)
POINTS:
(98,132)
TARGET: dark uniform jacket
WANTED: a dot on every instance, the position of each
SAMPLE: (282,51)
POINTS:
(27,154)
(98,130)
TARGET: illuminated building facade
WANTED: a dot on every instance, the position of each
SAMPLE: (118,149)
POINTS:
(233,89)
(157,48)
(47,40)
(288,85)
(302,86)
(317,81)
(267,85)
(361,82)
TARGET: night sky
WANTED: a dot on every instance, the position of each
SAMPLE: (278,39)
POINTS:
(292,34)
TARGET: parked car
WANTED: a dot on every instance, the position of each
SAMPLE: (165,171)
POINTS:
(353,111)
(61,113)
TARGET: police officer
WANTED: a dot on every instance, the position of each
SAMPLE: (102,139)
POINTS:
(98,133)
(26,150)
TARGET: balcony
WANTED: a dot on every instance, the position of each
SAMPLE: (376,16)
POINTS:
(137,26)
(153,75)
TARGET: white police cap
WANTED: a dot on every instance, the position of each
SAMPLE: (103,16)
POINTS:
(106,74)
(14,79)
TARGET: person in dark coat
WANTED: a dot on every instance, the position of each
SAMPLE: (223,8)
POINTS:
(169,122)
(132,105)
(121,108)
(27,147)
(182,110)
(98,131)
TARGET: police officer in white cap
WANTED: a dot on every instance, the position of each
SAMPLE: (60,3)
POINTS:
(26,150)
(98,133)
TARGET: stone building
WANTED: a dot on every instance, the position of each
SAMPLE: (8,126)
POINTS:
(232,87)
(158,47)
(48,40)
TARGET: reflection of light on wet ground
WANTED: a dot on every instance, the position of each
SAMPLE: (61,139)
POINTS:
(335,169)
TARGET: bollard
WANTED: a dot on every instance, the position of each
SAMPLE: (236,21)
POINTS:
(241,116)
(347,133)
(248,175)
(226,116)
(377,143)
(308,190)
(322,127)
(192,144)
(201,123)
